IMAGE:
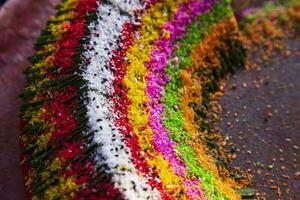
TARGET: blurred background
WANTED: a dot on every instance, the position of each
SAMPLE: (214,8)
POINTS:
(21,22)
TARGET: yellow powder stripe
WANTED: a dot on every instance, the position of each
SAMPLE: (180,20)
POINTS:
(135,79)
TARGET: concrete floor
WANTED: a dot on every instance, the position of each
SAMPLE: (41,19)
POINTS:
(261,116)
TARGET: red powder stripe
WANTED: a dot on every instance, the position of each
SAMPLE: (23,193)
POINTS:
(61,112)
(121,103)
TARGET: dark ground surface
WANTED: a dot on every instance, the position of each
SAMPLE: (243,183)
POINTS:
(20,24)
(261,116)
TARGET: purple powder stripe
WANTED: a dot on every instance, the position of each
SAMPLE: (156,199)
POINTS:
(157,78)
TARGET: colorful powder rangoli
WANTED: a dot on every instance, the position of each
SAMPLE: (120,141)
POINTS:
(118,96)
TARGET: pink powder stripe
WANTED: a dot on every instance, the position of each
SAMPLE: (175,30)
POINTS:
(157,78)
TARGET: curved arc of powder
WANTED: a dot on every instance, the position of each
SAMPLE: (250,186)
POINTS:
(208,46)
(40,67)
(135,80)
(119,97)
(157,78)
(171,97)
(99,77)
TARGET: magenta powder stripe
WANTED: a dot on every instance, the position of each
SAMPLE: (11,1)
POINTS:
(157,78)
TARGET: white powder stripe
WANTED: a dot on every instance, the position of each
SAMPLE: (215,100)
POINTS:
(127,7)
(113,151)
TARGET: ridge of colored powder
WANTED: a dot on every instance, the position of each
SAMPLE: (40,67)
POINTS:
(137,55)
(175,123)
(69,184)
(58,115)
(36,117)
(191,92)
(113,151)
(121,102)
(156,77)
(84,140)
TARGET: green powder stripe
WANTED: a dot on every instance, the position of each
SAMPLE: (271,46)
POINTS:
(173,118)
